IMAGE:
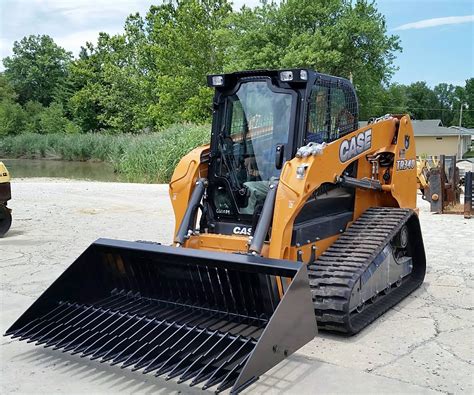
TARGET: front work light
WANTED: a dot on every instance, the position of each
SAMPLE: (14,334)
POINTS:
(286,76)
(294,76)
(215,81)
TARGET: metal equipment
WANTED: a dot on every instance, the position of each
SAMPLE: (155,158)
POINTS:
(468,195)
(439,182)
(291,218)
(5,196)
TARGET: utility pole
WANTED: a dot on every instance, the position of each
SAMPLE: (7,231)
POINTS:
(459,132)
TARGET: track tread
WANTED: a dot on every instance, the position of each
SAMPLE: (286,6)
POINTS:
(333,275)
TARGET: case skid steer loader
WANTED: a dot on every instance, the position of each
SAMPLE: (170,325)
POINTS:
(291,219)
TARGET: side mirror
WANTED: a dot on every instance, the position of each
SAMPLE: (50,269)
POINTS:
(279,154)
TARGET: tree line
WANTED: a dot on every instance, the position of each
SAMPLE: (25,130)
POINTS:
(154,73)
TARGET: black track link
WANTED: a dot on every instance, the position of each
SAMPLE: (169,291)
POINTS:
(334,274)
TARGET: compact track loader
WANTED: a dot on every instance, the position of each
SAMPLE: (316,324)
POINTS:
(5,196)
(292,218)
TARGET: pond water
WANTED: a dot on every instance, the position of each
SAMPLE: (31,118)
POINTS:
(94,171)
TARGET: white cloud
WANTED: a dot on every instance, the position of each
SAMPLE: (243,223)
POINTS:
(69,22)
(448,20)
(5,48)
(74,41)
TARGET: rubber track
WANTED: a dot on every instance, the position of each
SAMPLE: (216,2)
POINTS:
(334,274)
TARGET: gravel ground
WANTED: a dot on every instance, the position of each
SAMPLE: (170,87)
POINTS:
(424,345)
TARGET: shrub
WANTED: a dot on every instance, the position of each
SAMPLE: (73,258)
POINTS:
(33,110)
(12,118)
(52,119)
(153,158)
(140,158)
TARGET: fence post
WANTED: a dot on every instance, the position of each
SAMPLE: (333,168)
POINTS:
(468,194)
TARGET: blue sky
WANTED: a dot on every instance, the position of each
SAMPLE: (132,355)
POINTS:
(437,35)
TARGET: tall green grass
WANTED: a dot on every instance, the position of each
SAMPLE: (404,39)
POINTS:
(138,158)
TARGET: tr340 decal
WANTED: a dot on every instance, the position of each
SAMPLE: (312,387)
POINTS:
(406,164)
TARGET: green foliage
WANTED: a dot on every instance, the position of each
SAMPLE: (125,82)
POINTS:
(109,89)
(7,92)
(52,119)
(33,110)
(12,118)
(12,115)
(418,99)
(153,158)
(144,158)
(468,98)
(337,37)
(392,99)
(152,75)
(37,68)
(183,48)
(469,154)
(32,117)
(61,146)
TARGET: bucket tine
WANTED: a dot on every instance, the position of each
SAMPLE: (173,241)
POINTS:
(59,338)
(138,354)
(183,344)
(208,318)
(119,357)
(166,345)
(109,354)
(70,340)
(231,376)
(201,376)
(42,323)
(85,328)
(144,360)
(130,339)
(19,332)
(196,366)
(134,357)
(217,375)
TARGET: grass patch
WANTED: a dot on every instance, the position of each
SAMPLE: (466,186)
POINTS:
(138,158)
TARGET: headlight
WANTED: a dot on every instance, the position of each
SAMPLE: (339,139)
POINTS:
(294,76)
(217,80)
(286,76)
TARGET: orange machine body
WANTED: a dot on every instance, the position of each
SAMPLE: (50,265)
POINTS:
(394,135)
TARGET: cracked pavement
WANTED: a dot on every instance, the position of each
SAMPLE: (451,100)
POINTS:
(423,345)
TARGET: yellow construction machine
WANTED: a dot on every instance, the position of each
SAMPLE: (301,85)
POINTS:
(292,218)
(5,196)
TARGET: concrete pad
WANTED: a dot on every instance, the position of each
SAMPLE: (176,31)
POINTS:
(423,345)
(303,375)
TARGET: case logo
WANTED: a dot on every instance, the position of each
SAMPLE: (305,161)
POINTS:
(356,145)
(242,231)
